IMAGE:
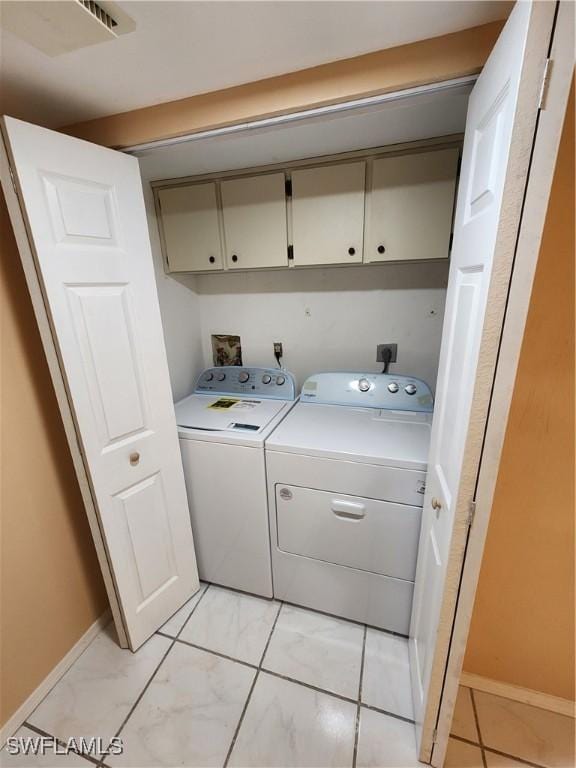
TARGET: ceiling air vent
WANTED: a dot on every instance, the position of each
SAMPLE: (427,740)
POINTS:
(100,14)
(64,25)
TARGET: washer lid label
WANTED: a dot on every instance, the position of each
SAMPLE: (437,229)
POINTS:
(228,403)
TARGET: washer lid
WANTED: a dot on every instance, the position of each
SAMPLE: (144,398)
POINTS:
(390,438)
(226,413)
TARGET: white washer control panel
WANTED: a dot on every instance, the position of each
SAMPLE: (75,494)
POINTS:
(370,390)
(271,383)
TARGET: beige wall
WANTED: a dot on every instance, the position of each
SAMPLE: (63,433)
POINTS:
(523,624)
(51,590)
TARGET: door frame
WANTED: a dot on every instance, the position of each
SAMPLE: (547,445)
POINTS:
(553,102)
(55,366)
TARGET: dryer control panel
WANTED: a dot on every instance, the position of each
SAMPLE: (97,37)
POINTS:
(271,383)
(386,391)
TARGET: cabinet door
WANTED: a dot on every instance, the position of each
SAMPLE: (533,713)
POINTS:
(190,225)
(254,212)
(328,214)
(409,210)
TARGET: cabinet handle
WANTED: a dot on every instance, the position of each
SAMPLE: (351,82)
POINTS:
(351,251)
(234,257)
(381,249)
(211,259)
(134,458)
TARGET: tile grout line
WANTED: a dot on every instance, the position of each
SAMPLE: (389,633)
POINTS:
(42,732)
(245,707)
(214,653)
(357,728)
(496,751)
(477,723)
(514,757)
(162,660)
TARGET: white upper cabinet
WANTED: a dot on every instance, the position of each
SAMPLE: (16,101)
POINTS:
(254,212)
(328,214)
(409,206)
(190,226)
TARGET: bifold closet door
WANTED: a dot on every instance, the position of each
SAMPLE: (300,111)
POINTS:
(500,129)
(84,211)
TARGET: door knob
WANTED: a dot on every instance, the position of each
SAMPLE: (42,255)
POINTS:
(134,458)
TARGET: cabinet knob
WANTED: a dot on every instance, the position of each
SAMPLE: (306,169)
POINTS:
(234,257)
(134,458)
(351,251)
(381,249)
(211,259)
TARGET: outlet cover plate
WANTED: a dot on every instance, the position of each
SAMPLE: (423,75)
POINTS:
(380,352)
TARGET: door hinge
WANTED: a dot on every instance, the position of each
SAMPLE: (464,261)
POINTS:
(450,242)
(290,252)
(13,180)
(471,513)
(434,735)
(545,84)
(288,187)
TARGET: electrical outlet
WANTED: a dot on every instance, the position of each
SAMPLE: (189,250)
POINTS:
(380,352)
(278,349)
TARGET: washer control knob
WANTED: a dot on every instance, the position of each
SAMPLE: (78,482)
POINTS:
(363,385)
(393,387)
(243,377)
(266,379)
(221,376)
(209,377)
(280,380)
(410,389)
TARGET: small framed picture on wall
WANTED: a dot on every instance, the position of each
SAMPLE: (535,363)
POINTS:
(226,349)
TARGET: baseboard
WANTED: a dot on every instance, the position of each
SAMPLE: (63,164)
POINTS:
(516,693)
(28,706)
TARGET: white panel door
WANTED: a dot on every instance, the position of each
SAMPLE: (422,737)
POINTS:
(328,214)
(477,282)
(190,227)
(409,206)
(85,213)
(254,213)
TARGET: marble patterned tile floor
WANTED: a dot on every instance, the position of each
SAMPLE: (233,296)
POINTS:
(240,681)
(490,731)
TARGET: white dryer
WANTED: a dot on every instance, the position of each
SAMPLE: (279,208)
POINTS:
(222,427)
(346,474)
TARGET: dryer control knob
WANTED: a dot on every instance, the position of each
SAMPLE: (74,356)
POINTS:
(363,385)
(410,389)
(243,377)
(393,387)
(280,380)
(266,379)
(209,377)
(221,376)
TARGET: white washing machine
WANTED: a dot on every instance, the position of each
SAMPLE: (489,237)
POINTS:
(346,474)
(222,427)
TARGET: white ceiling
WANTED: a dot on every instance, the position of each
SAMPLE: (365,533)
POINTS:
(183,48)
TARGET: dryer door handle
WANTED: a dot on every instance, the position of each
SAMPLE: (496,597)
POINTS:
(348,510)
